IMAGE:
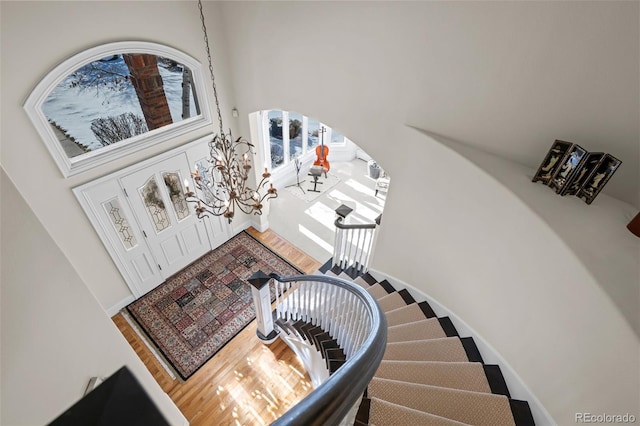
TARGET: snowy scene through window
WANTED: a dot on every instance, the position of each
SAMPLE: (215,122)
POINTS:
(116,98)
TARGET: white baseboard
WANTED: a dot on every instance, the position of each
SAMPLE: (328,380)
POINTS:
(118,306)
(517,388)
(260,224)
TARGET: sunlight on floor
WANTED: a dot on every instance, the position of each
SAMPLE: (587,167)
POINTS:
(360,187)
(259,392)
(323,214)
(328,247)
(310,225)
(360,210)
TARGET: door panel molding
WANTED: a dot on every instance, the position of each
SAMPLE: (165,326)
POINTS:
(139,264)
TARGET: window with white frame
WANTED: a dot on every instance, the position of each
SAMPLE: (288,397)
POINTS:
(292,135)
(115,99)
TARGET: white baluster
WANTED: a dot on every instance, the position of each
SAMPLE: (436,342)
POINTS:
(337,246)
(340,317)
(332,309)
(324,315)
(347,316)
(358,328)
(278,300)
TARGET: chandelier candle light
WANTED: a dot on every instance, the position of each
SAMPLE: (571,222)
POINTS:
(222,186)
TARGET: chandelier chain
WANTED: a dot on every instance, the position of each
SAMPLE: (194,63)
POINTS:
(213,79)
(221,183)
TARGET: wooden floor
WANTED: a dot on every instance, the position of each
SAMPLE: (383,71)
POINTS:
(246,382)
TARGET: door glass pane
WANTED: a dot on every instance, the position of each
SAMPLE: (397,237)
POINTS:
(206,183)
(120,224)
(176,193)
(152,199)
(295,135)
(275,138)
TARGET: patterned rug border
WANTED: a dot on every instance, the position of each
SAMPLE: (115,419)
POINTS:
(265,246)
(157,347)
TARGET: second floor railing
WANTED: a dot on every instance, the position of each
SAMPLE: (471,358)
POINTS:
(350,315)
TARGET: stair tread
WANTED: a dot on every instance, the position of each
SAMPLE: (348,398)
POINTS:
(335,353)
(377,291)
(455,375)
(521,413)
(391,301)
(428,328)
(404,315)
(345,276)
(326,266)
(476,408)
(361,282)
(387,286)
(367,277)
(331,273)
(383,412)
(310,333)
(442,349)
(408,298)
(322,337)
(334,364)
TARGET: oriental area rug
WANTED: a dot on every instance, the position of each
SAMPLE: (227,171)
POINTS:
(193,314)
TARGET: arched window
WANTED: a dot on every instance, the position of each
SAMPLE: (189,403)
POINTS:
(115,99)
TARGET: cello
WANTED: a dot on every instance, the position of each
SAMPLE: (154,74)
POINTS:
(321,154)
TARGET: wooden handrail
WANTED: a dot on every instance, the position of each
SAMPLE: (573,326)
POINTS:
(333,399)
(338,223)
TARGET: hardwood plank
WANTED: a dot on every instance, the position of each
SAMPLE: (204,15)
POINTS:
(246,382)
(284,248)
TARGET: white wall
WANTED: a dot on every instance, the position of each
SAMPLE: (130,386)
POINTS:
(483,253)
(596,233)
(55,337)
(509,78)
(37,36)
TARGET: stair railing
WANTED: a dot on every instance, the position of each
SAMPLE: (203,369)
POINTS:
(353,243)
(352,317)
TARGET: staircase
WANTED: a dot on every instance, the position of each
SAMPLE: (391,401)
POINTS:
(412,366)
(429,375)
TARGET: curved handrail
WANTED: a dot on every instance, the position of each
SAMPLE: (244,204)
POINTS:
(338,223)
(330,402)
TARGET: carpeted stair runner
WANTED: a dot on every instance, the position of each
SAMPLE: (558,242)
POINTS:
(404,315)
(416,330)
(391,301)
(429,375)
(441,349)
(387,413)
(455,375)
(477,408)
(377,291)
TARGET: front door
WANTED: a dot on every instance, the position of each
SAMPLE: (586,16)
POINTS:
(109,211)
(175,235)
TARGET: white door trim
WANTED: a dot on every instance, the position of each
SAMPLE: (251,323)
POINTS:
(193,150)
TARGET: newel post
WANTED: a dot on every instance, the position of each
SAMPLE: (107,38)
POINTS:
(262,302)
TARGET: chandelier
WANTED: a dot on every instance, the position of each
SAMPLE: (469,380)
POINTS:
(221,186)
